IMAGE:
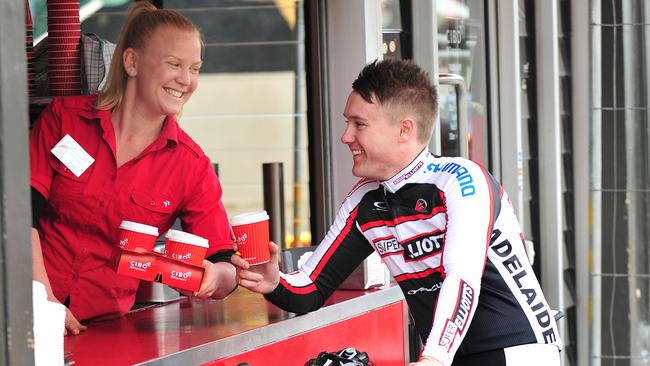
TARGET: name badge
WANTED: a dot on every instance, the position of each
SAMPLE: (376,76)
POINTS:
(72,155)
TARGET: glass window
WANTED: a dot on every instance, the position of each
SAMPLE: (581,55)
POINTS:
(461,51)
(395,33)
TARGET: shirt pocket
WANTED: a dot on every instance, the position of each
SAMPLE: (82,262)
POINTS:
(68,193)
(151,208)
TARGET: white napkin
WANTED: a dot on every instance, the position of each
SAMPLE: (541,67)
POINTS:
(49,323)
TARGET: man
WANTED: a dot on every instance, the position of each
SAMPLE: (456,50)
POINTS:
(443,226)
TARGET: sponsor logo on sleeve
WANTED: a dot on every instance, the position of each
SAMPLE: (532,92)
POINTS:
(463,177)
(457,324)
(526,283)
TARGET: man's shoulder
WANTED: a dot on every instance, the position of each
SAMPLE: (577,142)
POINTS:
(362,185)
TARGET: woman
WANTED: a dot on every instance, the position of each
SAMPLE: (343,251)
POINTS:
(143,168)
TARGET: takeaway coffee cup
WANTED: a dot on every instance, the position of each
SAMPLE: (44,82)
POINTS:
(185,247)
(252,235)
(137,237)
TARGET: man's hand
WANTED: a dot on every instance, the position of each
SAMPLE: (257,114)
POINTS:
(426,361)
(72,325)
(260,278)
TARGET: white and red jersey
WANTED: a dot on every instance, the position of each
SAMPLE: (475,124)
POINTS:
(448,234)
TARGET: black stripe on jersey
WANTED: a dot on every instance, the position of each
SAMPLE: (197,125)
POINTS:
(402,219)
(349,224)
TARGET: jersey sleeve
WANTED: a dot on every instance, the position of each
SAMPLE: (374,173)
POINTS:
(44,134)
(470,196)
(335,258)
(203,212)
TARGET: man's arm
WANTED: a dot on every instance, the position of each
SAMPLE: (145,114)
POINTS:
(335,258)
(470,219)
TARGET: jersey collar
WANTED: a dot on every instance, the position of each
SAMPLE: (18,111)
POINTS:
(411,173)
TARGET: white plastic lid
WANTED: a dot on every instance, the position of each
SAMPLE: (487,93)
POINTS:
(139,228)
(249,217)
(187,238)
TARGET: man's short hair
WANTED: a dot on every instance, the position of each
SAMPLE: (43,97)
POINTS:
(403,88)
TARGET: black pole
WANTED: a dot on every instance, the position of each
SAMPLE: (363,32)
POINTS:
(273,185)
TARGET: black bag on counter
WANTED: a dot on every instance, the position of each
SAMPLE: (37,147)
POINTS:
(345,357)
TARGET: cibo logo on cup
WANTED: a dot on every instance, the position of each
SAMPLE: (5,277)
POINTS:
(252,235)
(137,237)
(185,247)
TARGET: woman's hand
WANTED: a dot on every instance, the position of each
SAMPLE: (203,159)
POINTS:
(72,325)
(218,281)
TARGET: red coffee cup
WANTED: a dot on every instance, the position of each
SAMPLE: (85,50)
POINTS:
(252,236)
(137,237)
(185,247)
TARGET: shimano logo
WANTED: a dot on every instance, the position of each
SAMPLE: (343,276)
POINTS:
(462,176)
(434,288)
(408,174)
(388,246)
(423,246)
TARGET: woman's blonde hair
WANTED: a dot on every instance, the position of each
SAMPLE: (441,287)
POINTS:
(143,19)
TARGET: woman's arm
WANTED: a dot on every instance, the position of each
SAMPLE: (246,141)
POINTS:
(39,274)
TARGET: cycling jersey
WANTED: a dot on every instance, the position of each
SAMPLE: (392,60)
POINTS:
(449,236)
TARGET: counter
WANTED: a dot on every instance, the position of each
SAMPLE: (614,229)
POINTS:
(244,327)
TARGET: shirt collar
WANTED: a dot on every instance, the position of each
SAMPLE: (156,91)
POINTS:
(168,133)
(411,173)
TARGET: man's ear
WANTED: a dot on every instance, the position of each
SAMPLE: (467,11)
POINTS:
(407,129)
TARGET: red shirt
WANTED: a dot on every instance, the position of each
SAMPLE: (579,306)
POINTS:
(79,226)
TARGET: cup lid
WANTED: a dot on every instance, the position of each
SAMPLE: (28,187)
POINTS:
(138,227)
(187,238)
(249,217)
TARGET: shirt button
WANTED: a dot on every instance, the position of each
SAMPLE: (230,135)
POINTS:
(84,250)
(152,203)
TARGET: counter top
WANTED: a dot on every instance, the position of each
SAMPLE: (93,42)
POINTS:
(186,332)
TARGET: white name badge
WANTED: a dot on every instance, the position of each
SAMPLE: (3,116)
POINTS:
(72,155)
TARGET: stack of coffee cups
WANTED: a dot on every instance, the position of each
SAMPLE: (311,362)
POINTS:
(64,47)
(29,48)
